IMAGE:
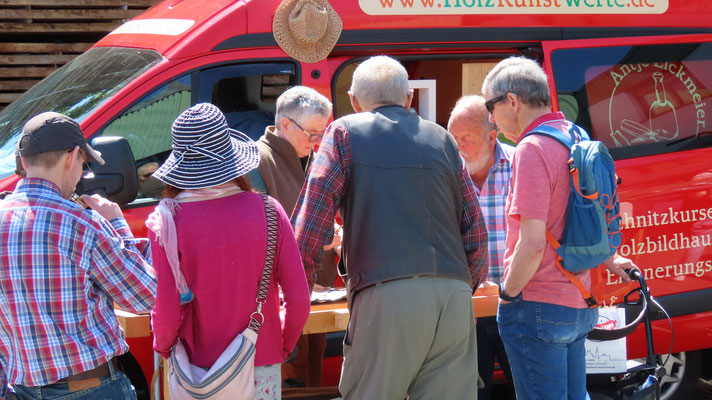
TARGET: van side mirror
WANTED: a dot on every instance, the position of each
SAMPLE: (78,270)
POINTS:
(116,179)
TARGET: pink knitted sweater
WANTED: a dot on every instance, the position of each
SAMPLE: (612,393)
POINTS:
(221,246)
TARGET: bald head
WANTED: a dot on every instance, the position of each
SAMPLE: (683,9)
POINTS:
(476,136)
(471,110)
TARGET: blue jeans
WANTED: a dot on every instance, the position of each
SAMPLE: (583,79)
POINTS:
(545,346)
(114,387)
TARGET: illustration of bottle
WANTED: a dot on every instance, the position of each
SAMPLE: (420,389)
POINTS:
(662,116)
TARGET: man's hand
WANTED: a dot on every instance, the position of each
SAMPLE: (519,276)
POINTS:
(619,265)
(336,242)
(104,207)
(487,284)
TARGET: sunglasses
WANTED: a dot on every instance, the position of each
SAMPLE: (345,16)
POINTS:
(85,161)
(313,137)
(489,104)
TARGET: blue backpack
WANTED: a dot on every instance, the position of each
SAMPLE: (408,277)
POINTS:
(592,228)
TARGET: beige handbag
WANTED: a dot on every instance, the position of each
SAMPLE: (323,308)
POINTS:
(232,376)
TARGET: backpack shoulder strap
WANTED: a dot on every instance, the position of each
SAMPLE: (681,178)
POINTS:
(587,296)
(263,288)
(567,139)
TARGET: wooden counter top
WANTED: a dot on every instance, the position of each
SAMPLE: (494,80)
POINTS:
(326,317)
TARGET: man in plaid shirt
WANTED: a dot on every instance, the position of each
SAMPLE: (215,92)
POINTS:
(488,162)
(61,269)
(414,242)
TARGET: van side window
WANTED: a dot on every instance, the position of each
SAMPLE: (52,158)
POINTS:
(147,127)
(246,93)
(638,100)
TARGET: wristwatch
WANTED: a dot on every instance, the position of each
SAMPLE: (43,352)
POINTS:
(505,297)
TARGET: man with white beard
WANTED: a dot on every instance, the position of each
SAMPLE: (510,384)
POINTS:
(488,163)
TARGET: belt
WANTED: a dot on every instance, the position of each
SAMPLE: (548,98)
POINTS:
(98,372)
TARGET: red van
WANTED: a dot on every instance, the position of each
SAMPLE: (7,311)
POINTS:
(637,74)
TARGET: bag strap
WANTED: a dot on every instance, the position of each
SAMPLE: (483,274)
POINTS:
(574,134)
(587,296)
(272,231)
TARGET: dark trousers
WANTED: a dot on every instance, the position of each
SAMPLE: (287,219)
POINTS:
(489,347)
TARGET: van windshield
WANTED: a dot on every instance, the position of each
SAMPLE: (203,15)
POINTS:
(75,90)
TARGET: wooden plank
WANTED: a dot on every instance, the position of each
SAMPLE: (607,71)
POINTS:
(95,14)
(44,47)
(90,27)
(23,59)
(311,393)
(9,97)
(334,317)
(79,3)
(135,325)
(17,85)
(29,72)
(327,321)
(473,74)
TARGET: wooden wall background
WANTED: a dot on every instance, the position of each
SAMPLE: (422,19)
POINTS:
(39,36)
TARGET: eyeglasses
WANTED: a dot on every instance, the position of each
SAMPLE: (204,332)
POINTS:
(85,162)
(489,104)
(313,137)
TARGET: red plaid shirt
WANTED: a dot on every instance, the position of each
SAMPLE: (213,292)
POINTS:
(61,267)
(316,208)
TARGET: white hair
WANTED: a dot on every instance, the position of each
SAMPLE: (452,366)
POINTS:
(301,103)
(380,81)
(521,76)
(472,107)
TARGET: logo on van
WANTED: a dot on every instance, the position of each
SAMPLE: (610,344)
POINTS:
(460,7)
(648,102)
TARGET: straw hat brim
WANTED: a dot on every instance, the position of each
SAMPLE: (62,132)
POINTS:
(301,51)
(204,172)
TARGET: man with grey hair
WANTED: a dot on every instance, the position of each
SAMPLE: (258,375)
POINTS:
(543,318)
(286,150)
(415,243)
(286,147)
(489,163)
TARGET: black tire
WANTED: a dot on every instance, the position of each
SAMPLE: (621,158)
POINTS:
(132,369)
(682,371)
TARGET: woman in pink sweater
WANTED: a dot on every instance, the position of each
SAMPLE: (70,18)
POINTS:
(219,241)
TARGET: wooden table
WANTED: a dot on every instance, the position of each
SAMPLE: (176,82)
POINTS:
(326,317)
(323,318)
(334,317)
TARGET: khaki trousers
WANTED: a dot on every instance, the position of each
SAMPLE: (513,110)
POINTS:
(412,337)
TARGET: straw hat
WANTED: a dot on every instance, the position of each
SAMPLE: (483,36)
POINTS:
(307,30)
(205,151)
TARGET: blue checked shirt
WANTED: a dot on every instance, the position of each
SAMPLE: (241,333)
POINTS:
(61,267)
(493,197)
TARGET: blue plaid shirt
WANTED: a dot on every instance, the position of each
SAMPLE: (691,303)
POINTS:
(493,198)
(61,267)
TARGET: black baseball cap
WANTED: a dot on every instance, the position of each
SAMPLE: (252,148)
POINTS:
(51,131)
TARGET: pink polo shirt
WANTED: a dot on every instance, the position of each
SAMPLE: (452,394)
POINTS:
(222,245)
(540,188)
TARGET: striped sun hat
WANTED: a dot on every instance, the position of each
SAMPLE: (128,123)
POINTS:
(205,151)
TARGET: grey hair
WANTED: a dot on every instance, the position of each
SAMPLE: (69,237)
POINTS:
(379,81)
(521,76)
(301,103)
(473,106)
